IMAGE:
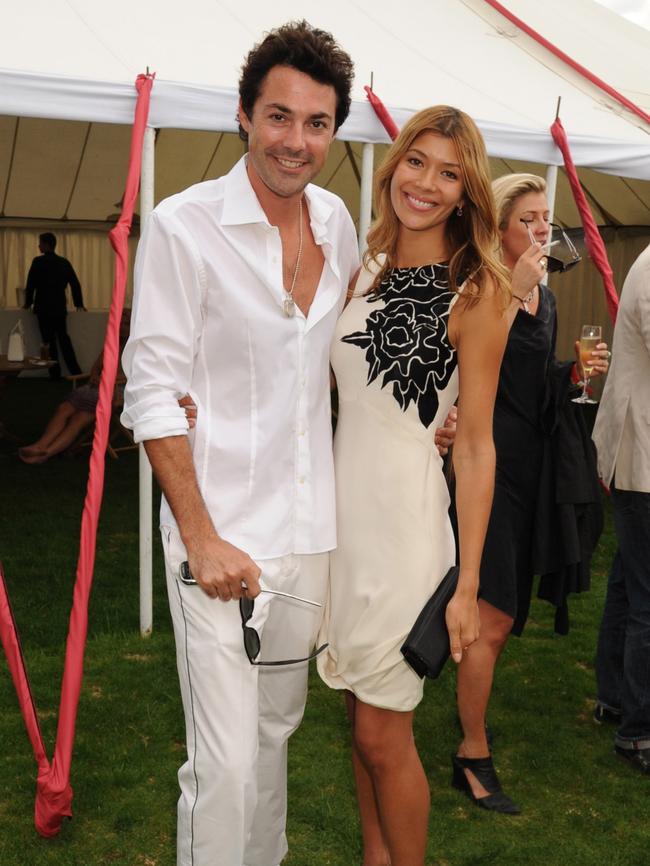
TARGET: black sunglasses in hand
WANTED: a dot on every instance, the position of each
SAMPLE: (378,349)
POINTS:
(566,255)
(251,637)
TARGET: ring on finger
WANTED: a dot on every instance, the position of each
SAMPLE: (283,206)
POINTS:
(544,262)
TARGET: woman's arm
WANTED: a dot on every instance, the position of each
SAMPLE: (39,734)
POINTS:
(479,333)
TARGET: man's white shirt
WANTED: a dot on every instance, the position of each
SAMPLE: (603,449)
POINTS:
(208,320)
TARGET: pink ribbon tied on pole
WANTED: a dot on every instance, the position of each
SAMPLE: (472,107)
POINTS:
(53,790)
(593,240)
(382,113)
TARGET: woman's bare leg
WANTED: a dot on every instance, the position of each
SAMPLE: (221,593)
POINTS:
(375,852)
(53,428)
(69,434)
(386,747)
(75,422)
(474,685)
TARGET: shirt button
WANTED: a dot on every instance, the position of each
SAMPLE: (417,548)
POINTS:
(301,480)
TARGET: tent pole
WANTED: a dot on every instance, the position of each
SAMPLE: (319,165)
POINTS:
(551,189)
(145,483)
(365,203)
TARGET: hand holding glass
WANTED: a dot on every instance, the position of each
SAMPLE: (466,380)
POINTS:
(590,336)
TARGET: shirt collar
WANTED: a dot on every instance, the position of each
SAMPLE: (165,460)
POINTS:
(241,206)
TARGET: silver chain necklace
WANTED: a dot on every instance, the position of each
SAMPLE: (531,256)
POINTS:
(289,305)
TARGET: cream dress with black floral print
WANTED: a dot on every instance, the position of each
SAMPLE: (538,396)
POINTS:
(397,378)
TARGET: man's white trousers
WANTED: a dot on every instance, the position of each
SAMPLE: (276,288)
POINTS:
(239,717)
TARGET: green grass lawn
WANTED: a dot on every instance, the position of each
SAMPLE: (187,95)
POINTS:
(581,806)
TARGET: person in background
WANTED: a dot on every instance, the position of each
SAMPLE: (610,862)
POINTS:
(520,438)
(76,412)
(48,278)
(622,437)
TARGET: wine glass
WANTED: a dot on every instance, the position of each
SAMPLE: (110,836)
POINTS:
(590,336)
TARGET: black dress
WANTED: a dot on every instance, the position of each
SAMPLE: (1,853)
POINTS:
(519,437)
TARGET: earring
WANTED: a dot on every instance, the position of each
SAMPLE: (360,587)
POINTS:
(459,210)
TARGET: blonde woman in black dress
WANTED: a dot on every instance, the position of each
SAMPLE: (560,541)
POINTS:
(426,325)
(506,568)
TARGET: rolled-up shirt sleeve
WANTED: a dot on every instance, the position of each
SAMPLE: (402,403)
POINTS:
(158,359)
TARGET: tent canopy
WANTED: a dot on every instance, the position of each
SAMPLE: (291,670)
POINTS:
(65,102)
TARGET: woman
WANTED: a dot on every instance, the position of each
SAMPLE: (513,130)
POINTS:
(70,418)
(77,411)
(426,324)
(506,568)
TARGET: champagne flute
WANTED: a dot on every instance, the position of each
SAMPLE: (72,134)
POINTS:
(590,336)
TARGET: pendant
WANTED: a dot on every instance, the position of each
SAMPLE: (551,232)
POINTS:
(289,307)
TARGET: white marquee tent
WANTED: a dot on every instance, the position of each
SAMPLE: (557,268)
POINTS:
(76,60)
(66,95)
(67,69)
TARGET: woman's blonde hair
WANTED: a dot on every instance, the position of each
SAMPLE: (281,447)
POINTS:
(510,187)
(472,235)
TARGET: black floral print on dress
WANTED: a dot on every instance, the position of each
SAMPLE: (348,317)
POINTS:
(406,340)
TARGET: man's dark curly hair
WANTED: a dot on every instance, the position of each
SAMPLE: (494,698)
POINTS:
(302,47)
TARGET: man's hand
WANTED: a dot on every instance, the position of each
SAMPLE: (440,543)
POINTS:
(220,569)
(223,570)
(445,435)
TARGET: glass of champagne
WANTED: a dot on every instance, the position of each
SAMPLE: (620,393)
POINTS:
(590,336)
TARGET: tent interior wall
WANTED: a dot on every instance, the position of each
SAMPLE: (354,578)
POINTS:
(88,161)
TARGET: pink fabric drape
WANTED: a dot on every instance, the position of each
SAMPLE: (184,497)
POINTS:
(382,113)
(53,791)
(593,240)
(13,651)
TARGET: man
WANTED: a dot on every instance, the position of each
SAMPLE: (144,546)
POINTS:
(622,437)
(239,282)
(49,276)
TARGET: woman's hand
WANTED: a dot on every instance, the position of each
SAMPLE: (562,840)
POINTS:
(445,435)
(463,623)
(529,270)
(189,405)
(600,355)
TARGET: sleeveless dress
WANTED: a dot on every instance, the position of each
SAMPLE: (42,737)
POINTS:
(507,568)
(397,379)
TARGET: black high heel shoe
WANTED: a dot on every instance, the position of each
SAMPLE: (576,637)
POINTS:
(483,770)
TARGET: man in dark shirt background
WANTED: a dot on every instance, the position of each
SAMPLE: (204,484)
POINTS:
(48,278)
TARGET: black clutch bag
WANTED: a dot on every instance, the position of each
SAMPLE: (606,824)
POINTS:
(426,647)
